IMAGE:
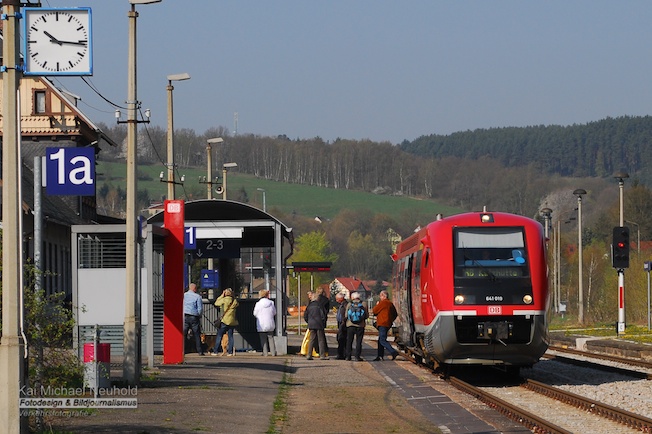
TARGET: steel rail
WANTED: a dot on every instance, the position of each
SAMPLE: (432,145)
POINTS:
(525,418)
(618,415)
(593,365)
(626,361)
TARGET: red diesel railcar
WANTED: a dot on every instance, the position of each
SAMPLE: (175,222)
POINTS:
(472,289)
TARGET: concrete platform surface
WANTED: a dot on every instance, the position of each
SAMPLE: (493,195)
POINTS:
(248,393)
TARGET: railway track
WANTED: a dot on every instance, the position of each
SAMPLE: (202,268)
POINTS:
(642,364)
(588,405)
(511,402)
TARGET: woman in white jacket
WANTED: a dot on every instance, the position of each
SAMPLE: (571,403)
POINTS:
(265,313)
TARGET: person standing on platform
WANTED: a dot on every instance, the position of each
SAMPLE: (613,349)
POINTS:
(341,325)
(385,313)
(192,309)
(325,304)
(314,316)
(227,304)
(265,313)
(356,320)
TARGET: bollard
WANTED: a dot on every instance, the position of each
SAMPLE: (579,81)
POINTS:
(97,364)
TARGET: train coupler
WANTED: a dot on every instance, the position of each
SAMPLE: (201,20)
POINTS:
(495,330)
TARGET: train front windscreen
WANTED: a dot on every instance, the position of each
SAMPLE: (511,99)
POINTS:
(491,266)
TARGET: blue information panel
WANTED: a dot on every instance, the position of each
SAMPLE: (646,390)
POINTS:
(218,248)
(210,278)
(70,171)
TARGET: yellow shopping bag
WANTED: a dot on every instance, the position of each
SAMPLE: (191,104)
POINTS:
(304,345)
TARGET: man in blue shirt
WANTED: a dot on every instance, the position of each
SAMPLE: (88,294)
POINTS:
(192,309)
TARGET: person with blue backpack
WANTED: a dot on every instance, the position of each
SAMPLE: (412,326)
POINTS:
(356,320)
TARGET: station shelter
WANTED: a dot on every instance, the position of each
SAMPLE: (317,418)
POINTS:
(236,246)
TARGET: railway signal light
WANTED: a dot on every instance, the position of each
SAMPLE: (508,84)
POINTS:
(620,247)
(267,261)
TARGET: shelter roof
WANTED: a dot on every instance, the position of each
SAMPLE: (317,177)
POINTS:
(216,210)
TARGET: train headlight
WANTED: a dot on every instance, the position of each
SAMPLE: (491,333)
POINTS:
(487,218)
(459,299)
(527,299)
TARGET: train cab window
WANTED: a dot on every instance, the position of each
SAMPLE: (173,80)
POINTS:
(490,252)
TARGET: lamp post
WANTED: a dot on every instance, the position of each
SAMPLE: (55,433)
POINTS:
(209,162)
(131,364)
(264,204)
(580,295)
(546,213)
(225,168)
(209,182)
(558,265)
(170,88)
(621,176)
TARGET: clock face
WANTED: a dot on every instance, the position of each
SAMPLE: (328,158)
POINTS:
(58,41)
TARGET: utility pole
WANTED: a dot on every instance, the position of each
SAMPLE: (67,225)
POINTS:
(12,346)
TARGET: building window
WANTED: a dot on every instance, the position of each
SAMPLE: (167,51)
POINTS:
(40,105)
(102,250)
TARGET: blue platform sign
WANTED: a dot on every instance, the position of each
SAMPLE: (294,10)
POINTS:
(70,171)
(210,278)
(226,248)
(190,238)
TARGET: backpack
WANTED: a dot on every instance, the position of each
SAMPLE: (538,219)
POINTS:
(355,313)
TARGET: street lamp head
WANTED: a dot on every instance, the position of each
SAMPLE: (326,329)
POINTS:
(179,77)
(621,174)
(229,165)
(143,2)
(546,212)
(260,189)
(215,140)
(579,192)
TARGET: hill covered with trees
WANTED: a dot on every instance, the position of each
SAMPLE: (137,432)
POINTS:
(596,149)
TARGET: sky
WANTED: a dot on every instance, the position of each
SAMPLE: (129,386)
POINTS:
(372,69)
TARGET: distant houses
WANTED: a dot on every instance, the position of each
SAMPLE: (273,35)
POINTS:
(347,285)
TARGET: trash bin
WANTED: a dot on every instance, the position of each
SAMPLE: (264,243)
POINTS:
(97,373)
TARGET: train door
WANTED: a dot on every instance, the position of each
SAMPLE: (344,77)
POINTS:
(403,274)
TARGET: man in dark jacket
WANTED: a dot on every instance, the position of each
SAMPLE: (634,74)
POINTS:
(325,304)
(314,316)
(341,325)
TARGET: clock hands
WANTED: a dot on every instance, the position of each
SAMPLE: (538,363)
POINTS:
(56,41)
(52,38)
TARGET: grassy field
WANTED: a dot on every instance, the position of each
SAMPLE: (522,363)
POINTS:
(302,199)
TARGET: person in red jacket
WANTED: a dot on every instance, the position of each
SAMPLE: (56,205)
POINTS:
(385,313)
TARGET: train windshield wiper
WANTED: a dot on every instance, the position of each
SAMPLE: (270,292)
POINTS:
(491,276)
